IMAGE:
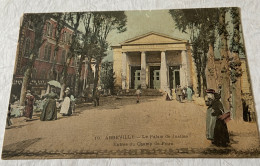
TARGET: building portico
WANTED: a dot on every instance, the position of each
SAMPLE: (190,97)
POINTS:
(154,61)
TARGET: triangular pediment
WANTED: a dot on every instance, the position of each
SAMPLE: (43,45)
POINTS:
(152,38)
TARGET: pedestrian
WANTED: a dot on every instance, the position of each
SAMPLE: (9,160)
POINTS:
(216,128)
(138,93)
(168,95)
(96,97)
(210,120)
(221,136)
(49,109)
(66,105)
(29,102)
(184,94)
(179,93)
(189,93)
(8,119)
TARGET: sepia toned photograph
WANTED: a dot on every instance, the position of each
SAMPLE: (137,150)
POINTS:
(131,84)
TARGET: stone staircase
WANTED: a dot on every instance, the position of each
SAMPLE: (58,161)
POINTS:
(145,92)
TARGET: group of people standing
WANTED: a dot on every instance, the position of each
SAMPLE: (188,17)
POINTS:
(50,107)
(183,93)
(49,111)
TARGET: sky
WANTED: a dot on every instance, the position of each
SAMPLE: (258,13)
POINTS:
(142,22)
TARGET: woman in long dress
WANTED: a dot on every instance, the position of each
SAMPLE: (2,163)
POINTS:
(221,136)
(49,109)
(29,105)
(210,120)
(66,109)
(189,94)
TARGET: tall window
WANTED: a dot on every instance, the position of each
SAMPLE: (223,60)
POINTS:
(49,29)
(63,56)
(47,52)
(27,47)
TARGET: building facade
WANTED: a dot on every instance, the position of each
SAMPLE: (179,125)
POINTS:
(154,61)
(49,64)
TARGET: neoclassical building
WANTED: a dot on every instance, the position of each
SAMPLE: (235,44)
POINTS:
(154,61)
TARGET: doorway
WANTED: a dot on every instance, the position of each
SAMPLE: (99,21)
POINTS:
(174,75)
(135,77)
(155,77)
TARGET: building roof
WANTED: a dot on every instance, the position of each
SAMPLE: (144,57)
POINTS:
(151,38)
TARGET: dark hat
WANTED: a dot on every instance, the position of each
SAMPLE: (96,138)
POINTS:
(217,96)
(210,91)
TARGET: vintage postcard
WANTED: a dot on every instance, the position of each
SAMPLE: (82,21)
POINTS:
(162,83)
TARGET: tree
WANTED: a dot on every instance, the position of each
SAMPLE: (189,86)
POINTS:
(201,25)
(235,65)
(97,26)
(225,73)
(107,76)
(37,22)
(103,24)
(74,20)
(60,24)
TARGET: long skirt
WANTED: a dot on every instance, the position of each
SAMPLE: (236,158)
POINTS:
(210,124)
(221,137)
(66,107)
(29,111)
(49,110)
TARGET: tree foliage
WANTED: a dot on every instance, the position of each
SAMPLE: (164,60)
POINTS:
(201,25)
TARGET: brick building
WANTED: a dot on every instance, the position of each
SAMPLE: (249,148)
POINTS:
(47,65)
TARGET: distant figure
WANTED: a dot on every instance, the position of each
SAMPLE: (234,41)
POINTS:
(49,109)
(168,95)
(29,105)
(179,93)
(66,105)
(8,119)
(96,97)
(184,93)
(189,93)
(138,93)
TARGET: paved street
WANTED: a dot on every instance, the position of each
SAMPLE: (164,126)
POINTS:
(122,128)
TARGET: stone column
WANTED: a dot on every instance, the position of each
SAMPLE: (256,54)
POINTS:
(143,70)
(124,65)
(163,72)
(184,69)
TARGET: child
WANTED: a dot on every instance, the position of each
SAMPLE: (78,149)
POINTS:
(138,93)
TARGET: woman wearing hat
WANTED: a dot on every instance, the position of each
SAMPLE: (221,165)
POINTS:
(66,105)
(216,128)
(49,108)
(210,120)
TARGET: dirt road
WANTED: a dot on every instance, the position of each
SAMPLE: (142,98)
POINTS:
(122,128)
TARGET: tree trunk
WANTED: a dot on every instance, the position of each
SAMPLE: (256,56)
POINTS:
(63,86)
(25,83)
(64,78)
(96,78)
(225,74)
(78,75)
(210,72)
(237,100)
